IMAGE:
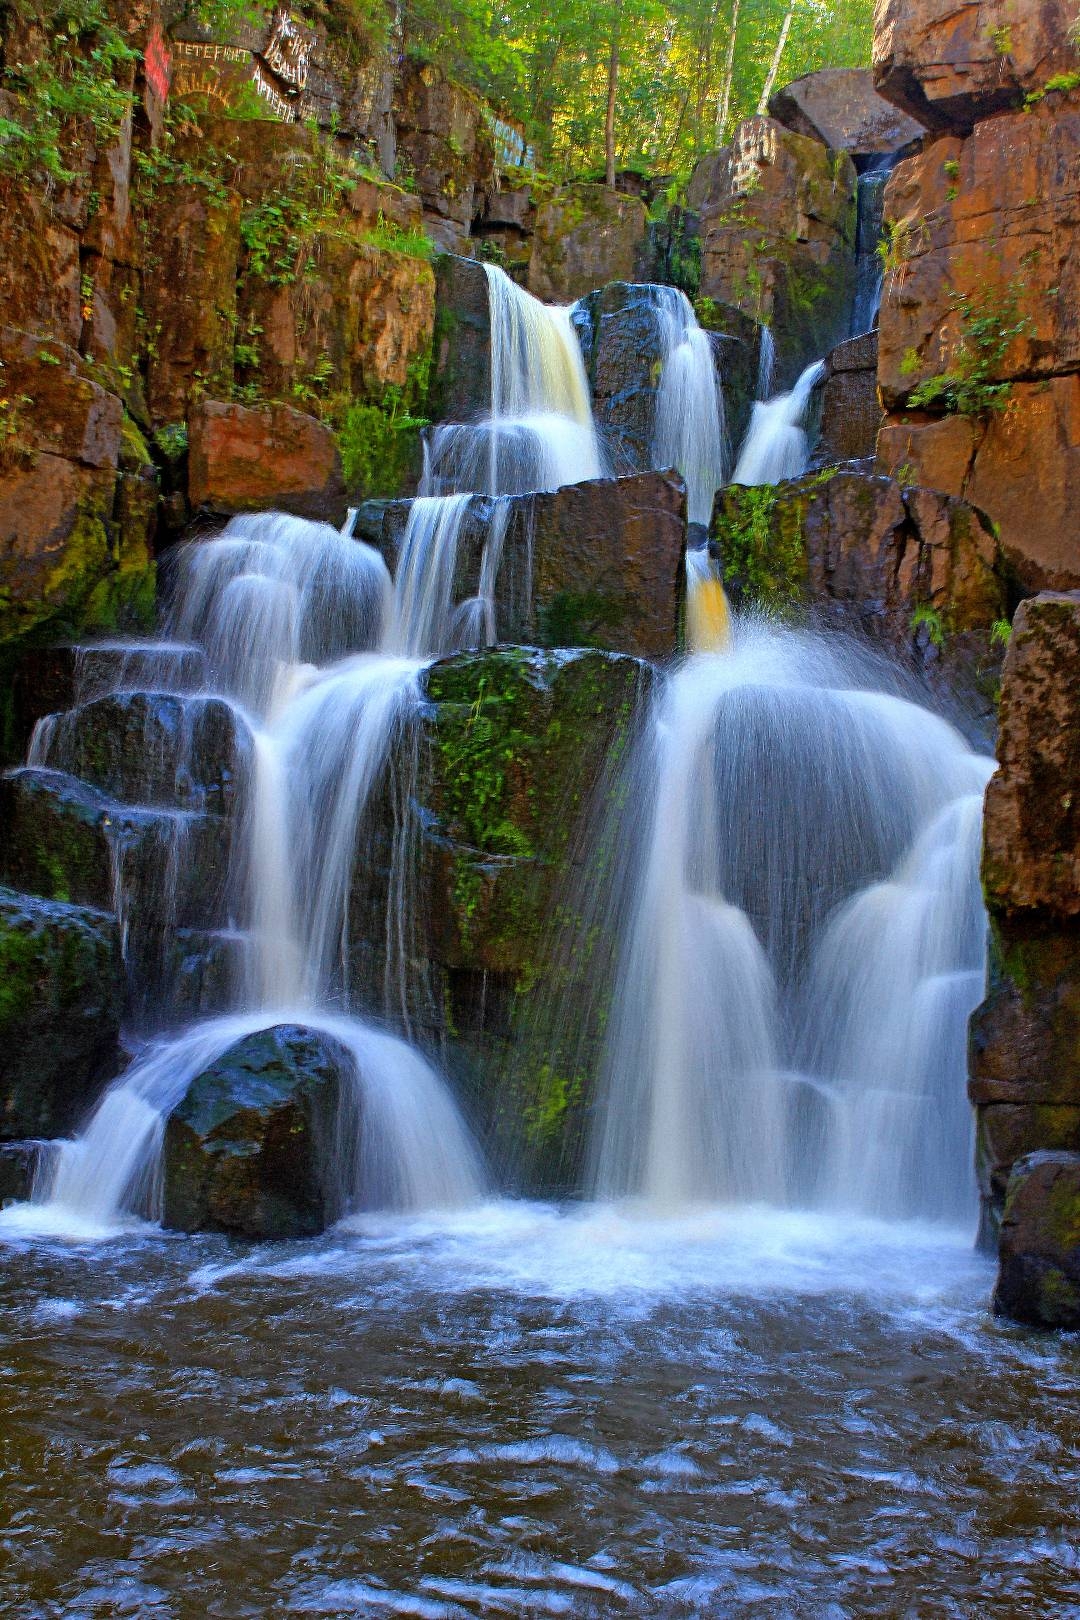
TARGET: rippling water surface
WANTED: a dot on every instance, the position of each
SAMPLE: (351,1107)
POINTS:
(532,1412)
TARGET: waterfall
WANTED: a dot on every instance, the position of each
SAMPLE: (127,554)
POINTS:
(539,433)
(869,275)
(766,363)
(776,444)
(802,942)
(689,430)
(316,653)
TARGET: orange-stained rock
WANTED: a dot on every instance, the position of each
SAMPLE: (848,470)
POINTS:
(251,460)
(950,62)
(39,266)
(992,219)
(1032,827)
(778,237)
(1021,466)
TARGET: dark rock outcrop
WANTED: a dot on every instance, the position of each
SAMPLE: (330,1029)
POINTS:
(1039,1275)
(518,754)
(851,413)
(251,1148)
(60,1007)
(841,108)
(1025,1038)
(460,386)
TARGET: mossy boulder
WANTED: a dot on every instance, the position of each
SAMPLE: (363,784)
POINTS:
(519,759)
(909,567)
(60,1005)
(1039,1271)
(251,1148)
(586,235)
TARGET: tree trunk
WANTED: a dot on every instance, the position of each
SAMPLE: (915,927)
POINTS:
(774,65)
(612,86)
(724,110)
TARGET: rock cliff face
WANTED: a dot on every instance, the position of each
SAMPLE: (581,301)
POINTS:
(778,237)
(979,353)
(1025,1038)
(950,63)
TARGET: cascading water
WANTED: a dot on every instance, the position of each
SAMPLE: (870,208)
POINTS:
(539,433)
(776,444)
(317,655)
(689,432)
(803,940)
(869,276)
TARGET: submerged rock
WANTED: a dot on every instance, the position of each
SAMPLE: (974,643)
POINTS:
(61,990)
(1039,1273)
(251,1148)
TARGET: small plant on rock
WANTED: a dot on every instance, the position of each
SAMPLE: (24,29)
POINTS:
(990,323)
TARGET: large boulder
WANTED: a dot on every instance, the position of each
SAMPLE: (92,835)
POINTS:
(949,63)
(1039,1274)
(841,108)
(596,564)
(251,1147)
(907,566)
(778,222)
(1025,1038)
(243,459)
(515,761)
(585,235)
(60,1010)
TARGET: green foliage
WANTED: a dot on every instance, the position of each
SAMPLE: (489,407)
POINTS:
(762,546)
(389,237)
(1060,83)
(930,620)
(378,444)
(1000,633)
(78,80)
(989,324)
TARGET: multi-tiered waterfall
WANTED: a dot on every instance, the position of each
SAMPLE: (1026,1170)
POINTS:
(800,921)
(299,635)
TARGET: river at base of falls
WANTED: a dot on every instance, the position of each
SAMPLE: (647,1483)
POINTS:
(521,1410)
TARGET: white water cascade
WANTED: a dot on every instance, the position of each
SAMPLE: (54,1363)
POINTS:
(539,433)
(318,655)
(689,432)
(802,941)
(776,444)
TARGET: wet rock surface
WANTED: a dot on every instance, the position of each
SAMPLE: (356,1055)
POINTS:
(250,1149)
(851,413)
(60,1008)
(1025,1038)
(910,567)
(1039,1275)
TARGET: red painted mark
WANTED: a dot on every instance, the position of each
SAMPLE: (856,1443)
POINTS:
(158,64)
